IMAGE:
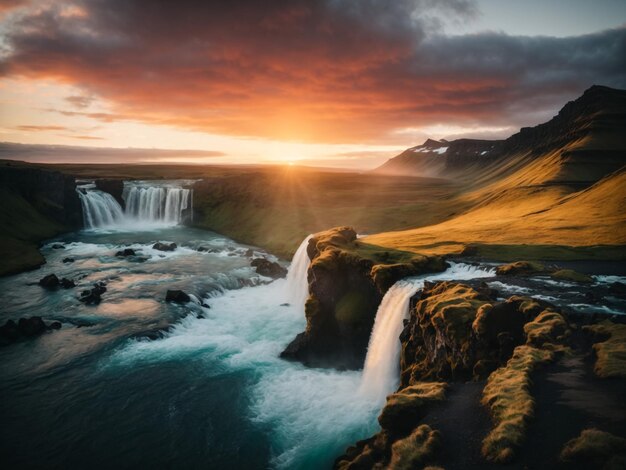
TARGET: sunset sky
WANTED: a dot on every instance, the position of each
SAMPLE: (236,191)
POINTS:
(329,83)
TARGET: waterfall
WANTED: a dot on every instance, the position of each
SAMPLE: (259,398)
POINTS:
(148,204)
(99,208)
(381,372)
(297,285)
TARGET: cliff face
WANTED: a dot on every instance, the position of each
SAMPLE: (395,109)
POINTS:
(36,204)
(346,285)
(457,332)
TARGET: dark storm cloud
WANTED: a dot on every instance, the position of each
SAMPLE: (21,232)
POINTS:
(333,70)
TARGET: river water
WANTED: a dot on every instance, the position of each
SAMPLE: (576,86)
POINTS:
(139,382)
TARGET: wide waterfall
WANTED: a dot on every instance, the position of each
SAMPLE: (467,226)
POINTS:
(148,204)
(297,285)
(381,372)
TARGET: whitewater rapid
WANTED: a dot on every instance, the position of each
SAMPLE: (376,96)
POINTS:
(311,414)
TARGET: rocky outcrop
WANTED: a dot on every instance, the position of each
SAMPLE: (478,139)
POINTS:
(268,268)
(177,296)
(456,332)
(93,296)
(346,285)
(164,246)
(402,441)
(27,327)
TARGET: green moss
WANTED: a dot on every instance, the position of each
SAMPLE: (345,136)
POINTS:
(415,449)
(571,275)
(404,408)
(610,353)
(350,307)
(596,449)
(508,397)
(520,268)
(547,327)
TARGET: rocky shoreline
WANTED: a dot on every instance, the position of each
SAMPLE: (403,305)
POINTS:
(470,364)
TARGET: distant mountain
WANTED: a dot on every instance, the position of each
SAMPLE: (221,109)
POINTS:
(587,134)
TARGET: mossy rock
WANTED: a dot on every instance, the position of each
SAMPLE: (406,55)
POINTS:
(414,450)
(405,408)
(547,327)
(520,268)
(507,394)
(571,275)
(596,449)
(611,351)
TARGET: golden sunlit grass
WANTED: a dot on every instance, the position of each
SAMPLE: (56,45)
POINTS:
(508,397)
(409,404)
(415,449)
(596,449)
(611,352)
(538,218)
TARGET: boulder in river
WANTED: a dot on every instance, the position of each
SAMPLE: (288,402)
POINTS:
(67,283)
(93,296)
(177,296)
(29,327)
(58,246)
(267,268)
(51,281)
(68,260)
(164,246)
(125,252)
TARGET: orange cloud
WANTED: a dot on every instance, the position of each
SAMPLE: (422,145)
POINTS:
(306,70)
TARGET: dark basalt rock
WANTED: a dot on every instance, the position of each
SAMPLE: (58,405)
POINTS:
(249,253)
(125,252)
(267,268)
(67,283)
(93,296)
(164,246)
(58,246)
(29,327)
(177,296)
(68,260)
(202,249)
(51,281)
(114,187)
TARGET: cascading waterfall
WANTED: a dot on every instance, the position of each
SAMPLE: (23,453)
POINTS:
(147,204)
(297,285)
(99,208)
(381,372)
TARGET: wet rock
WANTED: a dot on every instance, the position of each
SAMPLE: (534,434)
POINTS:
(32,326)
(29,327)
(9,332)
(202,249)
(249,253)
(58,246)
(164,246)
(177,296)
(93,296)
(520,268)
(67,283)
(68,260)
(125,252)
(618,289)
(51,281)
(267,268)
